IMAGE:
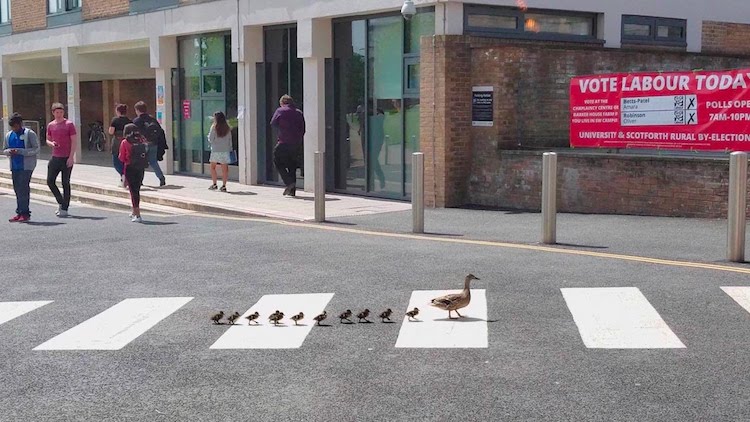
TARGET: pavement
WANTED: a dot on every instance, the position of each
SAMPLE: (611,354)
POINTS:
(537,363)
(98,185)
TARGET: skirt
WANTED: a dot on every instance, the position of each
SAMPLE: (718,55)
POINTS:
(220,157)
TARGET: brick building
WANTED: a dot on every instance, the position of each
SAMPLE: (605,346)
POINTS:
(375,87)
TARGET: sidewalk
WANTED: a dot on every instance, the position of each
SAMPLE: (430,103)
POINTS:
(191,193)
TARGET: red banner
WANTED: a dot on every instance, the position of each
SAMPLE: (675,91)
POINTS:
(676,110)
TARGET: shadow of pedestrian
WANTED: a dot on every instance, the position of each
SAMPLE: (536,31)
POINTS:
(81,217)
(169,187)
(158,223)
(312,198)
(243,193)
(43,223)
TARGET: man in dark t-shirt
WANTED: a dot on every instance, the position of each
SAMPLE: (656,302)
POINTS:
(115,130)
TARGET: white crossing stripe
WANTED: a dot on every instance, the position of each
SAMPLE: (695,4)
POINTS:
(285,335)
(117,326)
(433,328)
(618,318)
(11,310)
(740,294)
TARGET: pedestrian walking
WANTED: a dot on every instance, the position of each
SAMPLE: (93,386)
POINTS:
(134,156)
(60,134)
(116,128)
(21,145)
(290,123)
(220,139)
(154,135)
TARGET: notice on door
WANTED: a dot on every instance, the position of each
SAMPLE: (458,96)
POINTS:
(482,106)
(186,109)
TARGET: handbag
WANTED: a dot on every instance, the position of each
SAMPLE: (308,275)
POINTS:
(233,157)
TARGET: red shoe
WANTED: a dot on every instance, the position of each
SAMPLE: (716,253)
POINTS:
(24,219)
(15,219)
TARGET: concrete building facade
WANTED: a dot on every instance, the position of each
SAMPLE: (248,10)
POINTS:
(373,87)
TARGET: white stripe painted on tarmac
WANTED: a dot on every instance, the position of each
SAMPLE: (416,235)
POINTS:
(117,326)
(12,310)
(285,335)
(618,318)
(433,329)
(740,294)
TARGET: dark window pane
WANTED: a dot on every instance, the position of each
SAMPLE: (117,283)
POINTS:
(674,32)
(569,25)
(636,30)
(492,21)
(421,25)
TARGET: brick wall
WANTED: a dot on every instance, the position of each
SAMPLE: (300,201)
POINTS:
(95,9)
(726,38)
(28,15)
(130,91)
(610,184)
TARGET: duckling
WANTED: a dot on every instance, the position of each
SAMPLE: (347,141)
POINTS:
(455,301)
(297,317)
(345,316)
(216,318)
(276,317)
(320,317)
(413,313)
(386,315)
(233,317)
(253,317)
(363,315)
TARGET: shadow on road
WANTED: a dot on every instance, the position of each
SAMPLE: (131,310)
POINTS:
(43,223)
(158,223)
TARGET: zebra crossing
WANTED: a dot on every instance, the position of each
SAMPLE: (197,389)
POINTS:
(606,318)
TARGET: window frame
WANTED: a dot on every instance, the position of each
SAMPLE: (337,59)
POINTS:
(520,32)
(8,6)
(653,23)
(67,6)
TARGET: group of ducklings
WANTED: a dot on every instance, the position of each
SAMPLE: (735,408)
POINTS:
(277,316)
(450,302)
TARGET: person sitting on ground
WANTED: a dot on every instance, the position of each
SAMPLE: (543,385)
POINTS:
(134,156)
(22,146)
(220,139)
(116,129)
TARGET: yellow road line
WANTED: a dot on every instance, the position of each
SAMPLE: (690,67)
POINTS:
(536,248)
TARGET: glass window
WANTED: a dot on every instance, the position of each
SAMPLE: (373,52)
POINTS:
(60,6)
(525,23)
(422,24)
(4,11)
(493,21)
(654,30)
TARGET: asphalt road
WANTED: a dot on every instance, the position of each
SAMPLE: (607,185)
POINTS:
(536,366)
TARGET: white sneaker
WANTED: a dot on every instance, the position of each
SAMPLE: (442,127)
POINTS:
(120,184)
(61,213)
(136,219)
(57,212)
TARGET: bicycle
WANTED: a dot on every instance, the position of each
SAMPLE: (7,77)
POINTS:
(96,136)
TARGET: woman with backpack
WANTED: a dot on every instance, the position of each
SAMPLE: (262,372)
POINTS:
(134,157)
(220,139)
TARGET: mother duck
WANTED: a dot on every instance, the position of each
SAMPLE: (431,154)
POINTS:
(455,301)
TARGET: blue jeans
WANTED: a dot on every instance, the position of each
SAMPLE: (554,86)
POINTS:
(21,182)
(117,164)
(152,150)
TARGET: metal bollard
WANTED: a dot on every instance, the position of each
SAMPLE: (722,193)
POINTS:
(320,186)
(549,197)
(417,192)
(737,206)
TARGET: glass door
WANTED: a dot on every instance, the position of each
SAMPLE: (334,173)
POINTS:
(282,74)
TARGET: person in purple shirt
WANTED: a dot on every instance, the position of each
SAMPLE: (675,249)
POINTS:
(290,123)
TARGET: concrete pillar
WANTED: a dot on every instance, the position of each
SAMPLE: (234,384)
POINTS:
(248,43)
(163,59)
(70,68)
(7,87)
(314,45)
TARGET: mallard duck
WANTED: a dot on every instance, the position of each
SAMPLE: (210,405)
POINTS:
(413,313)
(345,316)
(216,318)
(363,315)
(276,317)
(320,317)
(297,317)
(233,317)
(386,315)
(253,317)
(455,301)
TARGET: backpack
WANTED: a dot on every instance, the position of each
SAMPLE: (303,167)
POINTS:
(138,155)
(153,132)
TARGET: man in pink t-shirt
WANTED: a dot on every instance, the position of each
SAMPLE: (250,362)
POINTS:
(60,135)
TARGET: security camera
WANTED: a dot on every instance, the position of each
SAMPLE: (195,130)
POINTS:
(408,10)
